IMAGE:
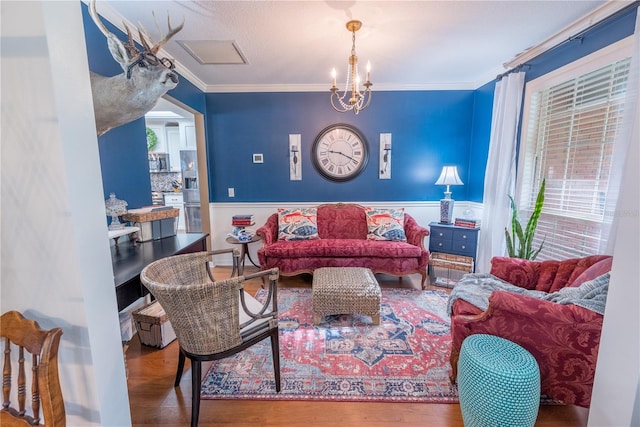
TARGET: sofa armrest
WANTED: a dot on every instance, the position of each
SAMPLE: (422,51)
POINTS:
(507,304)
(269,231)
(414,232)
(519,272)
(564,339)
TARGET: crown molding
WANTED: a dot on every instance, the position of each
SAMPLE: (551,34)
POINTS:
(590,19)
(325,88)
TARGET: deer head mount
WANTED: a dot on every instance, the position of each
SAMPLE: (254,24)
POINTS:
(145,78)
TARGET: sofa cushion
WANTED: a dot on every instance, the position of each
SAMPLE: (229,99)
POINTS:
(385,224)
(596,270)
(342,221)
(342,248)
(297,224)
(519,272)
(548,276)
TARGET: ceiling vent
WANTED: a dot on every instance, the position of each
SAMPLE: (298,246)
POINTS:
(218,52)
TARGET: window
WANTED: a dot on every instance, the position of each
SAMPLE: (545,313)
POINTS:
(571,120)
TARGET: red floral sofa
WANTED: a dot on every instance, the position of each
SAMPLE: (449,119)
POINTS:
(564,339)
(344,240)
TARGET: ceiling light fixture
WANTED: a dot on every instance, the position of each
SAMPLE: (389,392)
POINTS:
(358,100)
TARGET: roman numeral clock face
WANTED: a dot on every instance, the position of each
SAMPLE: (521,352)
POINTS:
(340,152)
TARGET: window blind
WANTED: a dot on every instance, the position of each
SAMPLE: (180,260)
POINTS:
(571,132)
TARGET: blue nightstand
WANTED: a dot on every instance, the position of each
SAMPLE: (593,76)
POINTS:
(448,239)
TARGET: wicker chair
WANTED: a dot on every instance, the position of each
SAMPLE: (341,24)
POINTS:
(212,320)
(24,334)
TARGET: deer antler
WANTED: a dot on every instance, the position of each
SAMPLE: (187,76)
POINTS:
(172,32)
(131,44)
(145,37)
(96,18)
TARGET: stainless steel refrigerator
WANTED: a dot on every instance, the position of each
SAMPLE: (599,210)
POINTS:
(190,190)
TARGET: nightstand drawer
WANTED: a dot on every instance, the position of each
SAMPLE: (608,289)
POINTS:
(441,233)
(439,245)
(464,248)
(465,236)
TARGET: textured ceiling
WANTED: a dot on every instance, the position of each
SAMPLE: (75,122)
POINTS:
(292,45)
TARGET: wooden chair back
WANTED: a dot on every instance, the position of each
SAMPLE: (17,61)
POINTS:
(25,336)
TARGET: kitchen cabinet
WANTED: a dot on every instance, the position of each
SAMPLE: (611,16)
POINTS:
(174,144)
(175,200)
(190,137)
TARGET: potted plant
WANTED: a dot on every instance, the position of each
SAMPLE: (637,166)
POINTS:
(524,237)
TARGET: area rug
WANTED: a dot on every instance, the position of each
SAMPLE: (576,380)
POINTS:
(346,358)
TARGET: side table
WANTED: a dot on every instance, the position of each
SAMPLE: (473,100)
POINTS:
(451,244)
(244,250)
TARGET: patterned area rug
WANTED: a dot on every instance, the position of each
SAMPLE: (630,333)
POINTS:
(404,359)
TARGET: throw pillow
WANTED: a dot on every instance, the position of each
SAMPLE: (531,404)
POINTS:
(385,224)
(297,224)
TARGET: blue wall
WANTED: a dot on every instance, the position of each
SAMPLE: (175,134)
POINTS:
(429,129)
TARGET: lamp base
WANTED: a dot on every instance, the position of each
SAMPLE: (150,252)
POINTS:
(446,210)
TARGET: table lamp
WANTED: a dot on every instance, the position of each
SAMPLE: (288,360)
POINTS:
(449,176)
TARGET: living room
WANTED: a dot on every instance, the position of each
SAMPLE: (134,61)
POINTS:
(59,220)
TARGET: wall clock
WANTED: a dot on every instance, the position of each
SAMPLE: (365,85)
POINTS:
(340,152)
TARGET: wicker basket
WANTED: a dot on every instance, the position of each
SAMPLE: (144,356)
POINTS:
(453,262)
(144,215)
(154,223)
(154,329)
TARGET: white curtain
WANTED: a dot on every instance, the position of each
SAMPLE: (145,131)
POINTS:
(500,175)
(628,133)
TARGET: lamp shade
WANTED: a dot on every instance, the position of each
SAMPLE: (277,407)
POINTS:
(449,176)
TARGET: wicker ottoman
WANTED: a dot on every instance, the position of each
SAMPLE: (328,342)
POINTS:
(345,290)
(498,383)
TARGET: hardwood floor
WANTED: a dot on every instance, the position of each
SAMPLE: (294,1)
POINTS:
(154,400)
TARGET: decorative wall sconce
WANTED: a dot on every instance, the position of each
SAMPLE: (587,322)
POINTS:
(385,156)
(449,176)
(295,161)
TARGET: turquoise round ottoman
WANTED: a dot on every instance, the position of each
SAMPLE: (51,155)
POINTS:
(498,383)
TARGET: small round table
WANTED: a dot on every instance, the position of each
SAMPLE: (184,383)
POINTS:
(244,250)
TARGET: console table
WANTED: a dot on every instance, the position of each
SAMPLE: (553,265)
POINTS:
(129,258)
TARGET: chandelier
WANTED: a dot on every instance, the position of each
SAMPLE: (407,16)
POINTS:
(356,100)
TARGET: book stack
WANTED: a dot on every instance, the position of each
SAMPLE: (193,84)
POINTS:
(242,220)
(468,223)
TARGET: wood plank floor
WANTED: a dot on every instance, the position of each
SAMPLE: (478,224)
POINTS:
(155,402)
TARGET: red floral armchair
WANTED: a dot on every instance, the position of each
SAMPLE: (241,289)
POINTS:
(564,339)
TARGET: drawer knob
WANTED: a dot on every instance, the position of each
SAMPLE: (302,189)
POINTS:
(441,234)
(440,244)
(464,247)
(464,236)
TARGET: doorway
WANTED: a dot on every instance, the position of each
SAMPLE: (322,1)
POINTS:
(174,149)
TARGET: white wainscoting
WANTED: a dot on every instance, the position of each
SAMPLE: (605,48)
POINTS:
(221,214)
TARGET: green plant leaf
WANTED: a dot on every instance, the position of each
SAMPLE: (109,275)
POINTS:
(510,250)
(523,247)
